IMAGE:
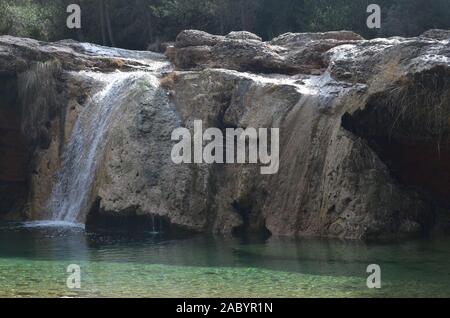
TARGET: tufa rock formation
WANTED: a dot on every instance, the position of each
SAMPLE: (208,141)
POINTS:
(364,124)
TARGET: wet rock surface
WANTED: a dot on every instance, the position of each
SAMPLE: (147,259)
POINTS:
(45,87)
(343,106)
(338,177)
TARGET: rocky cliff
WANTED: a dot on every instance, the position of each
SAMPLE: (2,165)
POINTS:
(364,132)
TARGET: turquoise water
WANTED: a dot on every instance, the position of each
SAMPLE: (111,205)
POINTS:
(34,260)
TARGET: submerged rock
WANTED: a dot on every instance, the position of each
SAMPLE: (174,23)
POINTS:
(364,132)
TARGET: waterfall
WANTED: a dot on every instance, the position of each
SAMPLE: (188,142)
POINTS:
(70,194)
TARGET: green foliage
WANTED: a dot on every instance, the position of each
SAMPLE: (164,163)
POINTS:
(138,23)
(411,17)
(275,17)
(38,97)
(27,18)
(337,14)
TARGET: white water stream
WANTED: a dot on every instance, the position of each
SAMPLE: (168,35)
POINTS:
(70,194)
(74,180)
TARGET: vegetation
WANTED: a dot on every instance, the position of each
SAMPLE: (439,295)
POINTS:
(138,23)
(38,100)
(28,18)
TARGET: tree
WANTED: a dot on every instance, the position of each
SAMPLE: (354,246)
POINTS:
(137,23)
(413,17)
(279,16)
(105,8)
(27,18)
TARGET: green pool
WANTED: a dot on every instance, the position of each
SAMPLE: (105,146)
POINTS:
(34,258)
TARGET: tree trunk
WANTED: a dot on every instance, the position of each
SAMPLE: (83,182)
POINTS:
(102,21)
(243,15)
(223,11)
(80,35)
(109,27)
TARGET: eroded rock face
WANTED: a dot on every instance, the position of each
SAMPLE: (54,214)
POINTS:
(290,53)
(437,34)
(44,89)
(13,154)
(344,107)
(136,176)
(337,176)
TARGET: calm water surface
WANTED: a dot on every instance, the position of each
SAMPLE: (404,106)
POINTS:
(34,258)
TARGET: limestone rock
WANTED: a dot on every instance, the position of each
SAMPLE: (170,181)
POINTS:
(364,132)
(44,89)
(339,173)
(243,35)
(290,53)
(437,34)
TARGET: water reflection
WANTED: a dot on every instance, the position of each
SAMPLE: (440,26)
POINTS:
(43,241)
(129,260)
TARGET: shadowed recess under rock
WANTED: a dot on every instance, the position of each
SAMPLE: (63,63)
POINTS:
(13,150)
(409,127)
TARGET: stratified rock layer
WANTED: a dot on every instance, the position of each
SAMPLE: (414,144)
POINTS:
(350,103)
(290,53)
(344,107)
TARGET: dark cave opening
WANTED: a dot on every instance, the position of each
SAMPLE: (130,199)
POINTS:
(131,222)
(418,164)
(13,150)
(252,222)
(409,128)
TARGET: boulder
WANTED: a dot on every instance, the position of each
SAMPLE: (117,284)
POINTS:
(290,53)
(243,35)
(437,34)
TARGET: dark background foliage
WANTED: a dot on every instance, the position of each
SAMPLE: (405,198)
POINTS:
(138,23)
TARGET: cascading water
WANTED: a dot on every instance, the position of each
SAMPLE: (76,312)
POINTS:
(71,190)
(70,194)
